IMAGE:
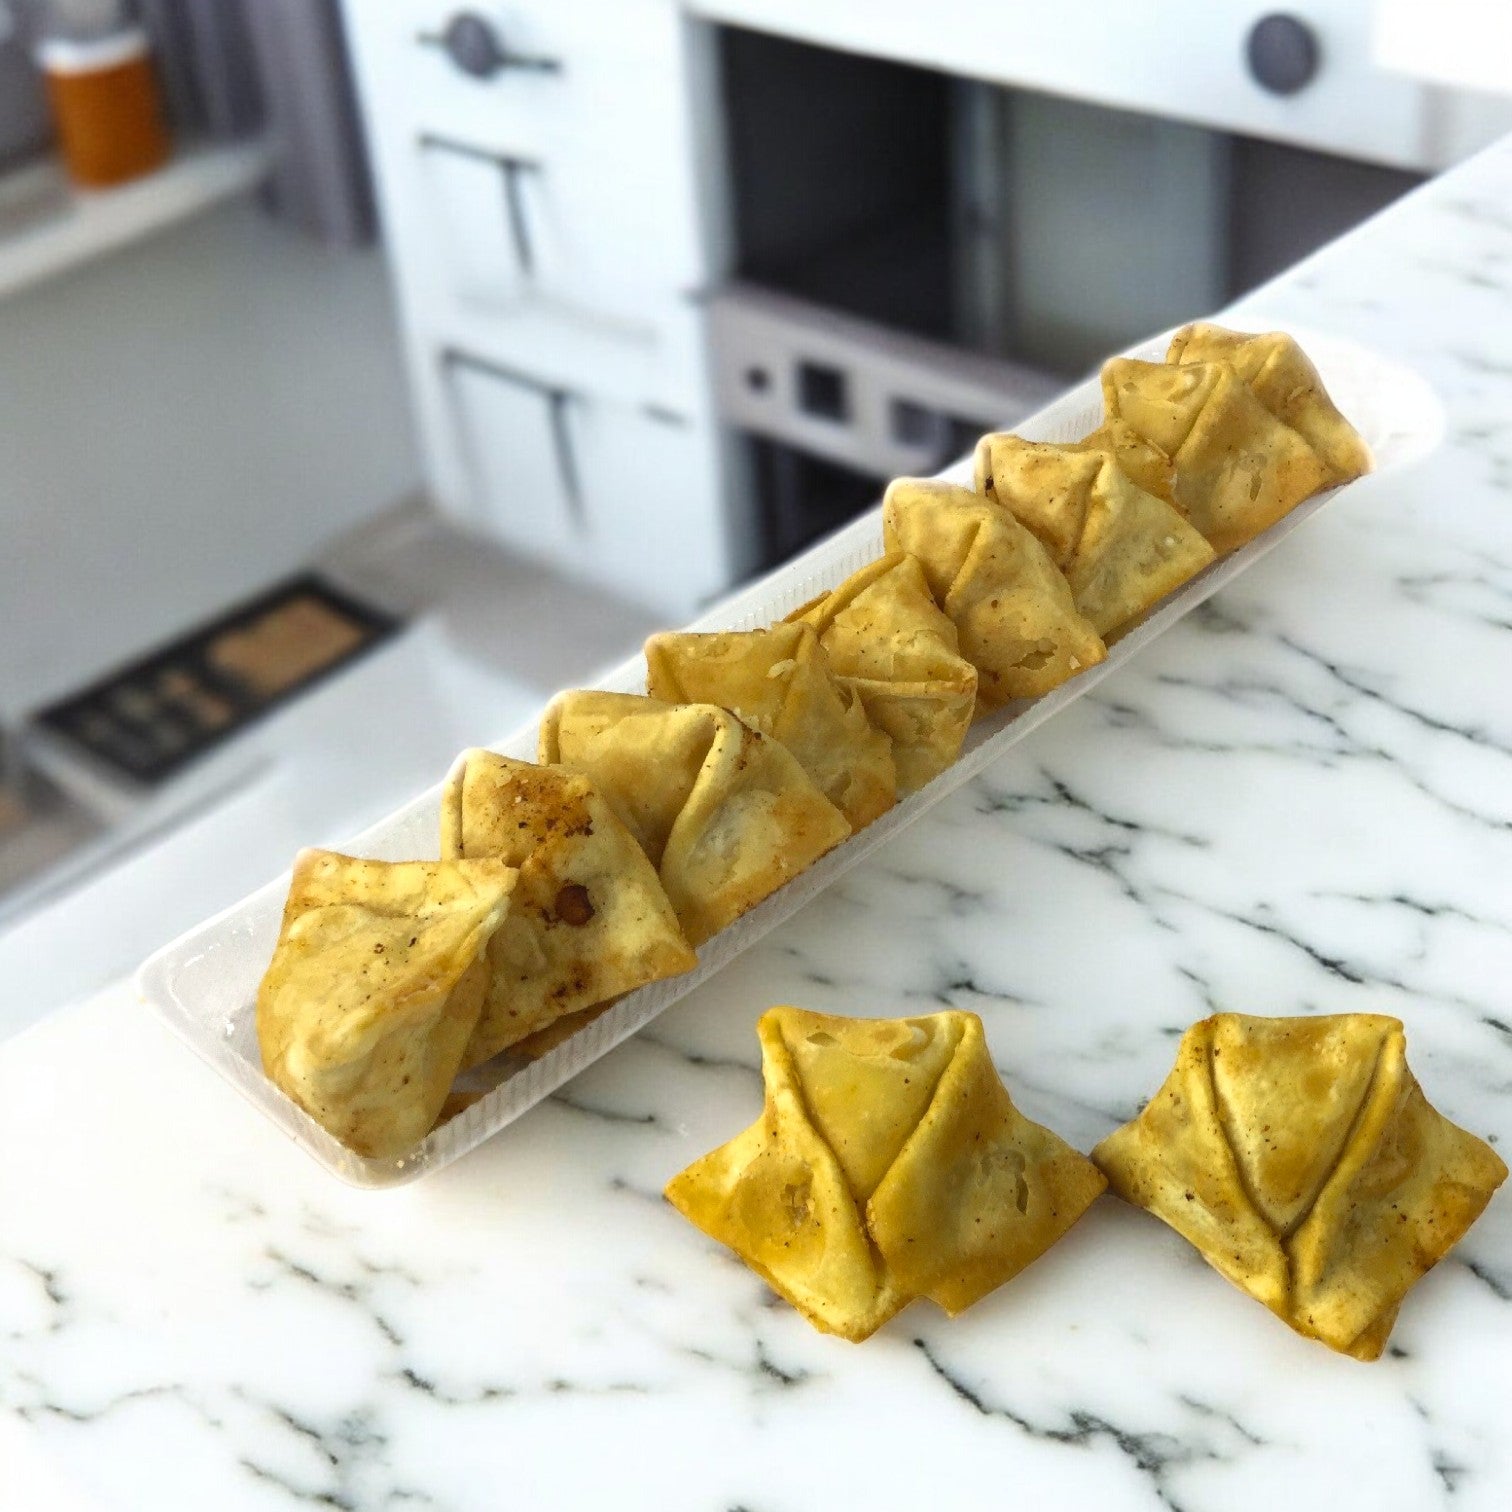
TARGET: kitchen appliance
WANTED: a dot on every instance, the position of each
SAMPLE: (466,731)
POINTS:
(918,257)
(683,280)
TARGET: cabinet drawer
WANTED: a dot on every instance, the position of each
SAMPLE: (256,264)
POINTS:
(654,506)
(415,73)
(537,95)
(487,229)
(622,494)
(658,362)
(519,457)
(511,229)
(599,113)
(1187,60)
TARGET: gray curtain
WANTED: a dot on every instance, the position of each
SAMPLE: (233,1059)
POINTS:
(233,67)
(204,65)
(24,126)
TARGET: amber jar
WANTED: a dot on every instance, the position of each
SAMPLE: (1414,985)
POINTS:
(106,106)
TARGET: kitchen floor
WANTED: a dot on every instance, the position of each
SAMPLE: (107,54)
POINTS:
(490,637)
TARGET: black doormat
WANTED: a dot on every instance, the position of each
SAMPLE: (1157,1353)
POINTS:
(147,720)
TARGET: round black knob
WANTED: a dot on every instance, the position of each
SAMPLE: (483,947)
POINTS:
(1282,53)
(473,45)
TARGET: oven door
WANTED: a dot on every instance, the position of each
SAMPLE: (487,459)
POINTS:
(917,256)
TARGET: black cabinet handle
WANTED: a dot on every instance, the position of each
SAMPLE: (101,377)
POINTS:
(514,205)
(1282,52)
(566,457)
(558,399)
(664,414)
(511,167)
(474,45)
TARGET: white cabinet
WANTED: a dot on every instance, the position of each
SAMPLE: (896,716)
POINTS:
(488,228)
(606,123)
(536,180)
(1185,60)
(649,503)
(616,491)
(520,453)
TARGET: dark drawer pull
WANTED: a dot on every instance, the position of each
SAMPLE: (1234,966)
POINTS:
(1282,52)
(474,45)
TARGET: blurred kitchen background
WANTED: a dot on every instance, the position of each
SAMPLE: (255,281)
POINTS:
(370,370)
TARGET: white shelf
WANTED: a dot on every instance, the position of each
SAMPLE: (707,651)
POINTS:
(47,227)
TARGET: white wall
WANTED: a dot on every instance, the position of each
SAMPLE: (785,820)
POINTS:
(179,424)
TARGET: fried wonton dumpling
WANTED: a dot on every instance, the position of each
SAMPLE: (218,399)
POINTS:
(1282,378)
(1122,549)
(375,988)
(888,1163)
(589,919)
(1301,1158)
(725,814)
(888,640)
(1142,461)
(1238,468)
(1012,607)
(779,682)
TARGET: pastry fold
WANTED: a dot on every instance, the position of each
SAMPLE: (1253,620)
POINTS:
(779,682)
(374,990)
(1280,375)
(1301,1158)
(1238,468)
(1012,607)
(887,639)
(1121,549)
(1143,462)
(589,919)
(725,814)
(888,1163)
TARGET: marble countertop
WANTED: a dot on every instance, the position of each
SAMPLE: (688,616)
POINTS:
(1298,800)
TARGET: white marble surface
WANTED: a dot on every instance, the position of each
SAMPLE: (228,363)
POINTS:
(1299,800)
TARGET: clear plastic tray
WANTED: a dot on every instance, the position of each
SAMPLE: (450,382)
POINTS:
(205,984)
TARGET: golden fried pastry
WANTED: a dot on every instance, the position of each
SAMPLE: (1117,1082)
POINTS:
(1142,461)
(1238,468)
(1048,488)
(887,638)
(1301,1158)
(888,1163)
(779,682)
(1282,378)
(1121,549)
(1012,607)
(589,919)
(375,988)
(726,815)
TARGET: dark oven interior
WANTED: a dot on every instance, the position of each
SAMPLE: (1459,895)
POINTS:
(1043,231)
